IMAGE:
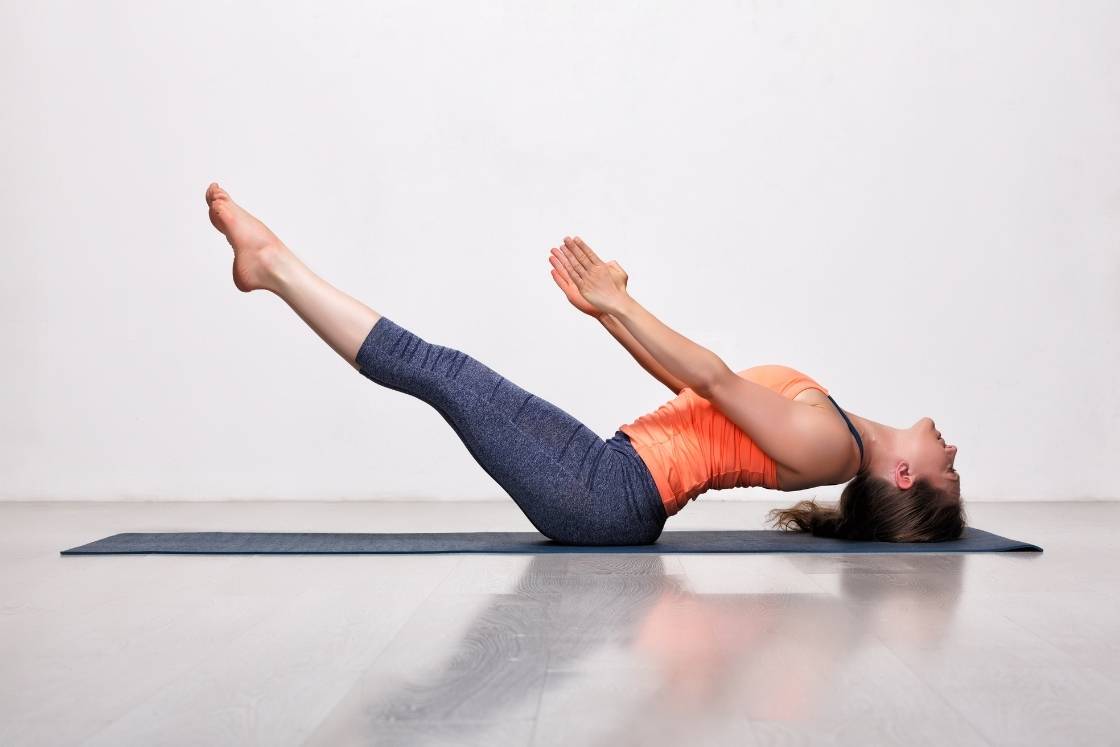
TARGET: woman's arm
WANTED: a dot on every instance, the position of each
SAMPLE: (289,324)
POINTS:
(790,434)
(612,325)
(602,287)
(641,355)
(697,367)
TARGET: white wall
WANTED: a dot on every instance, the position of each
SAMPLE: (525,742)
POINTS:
(917,203)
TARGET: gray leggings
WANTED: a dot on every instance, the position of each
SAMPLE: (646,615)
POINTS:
(576,488)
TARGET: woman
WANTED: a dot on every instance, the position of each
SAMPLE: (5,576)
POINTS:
(769,425)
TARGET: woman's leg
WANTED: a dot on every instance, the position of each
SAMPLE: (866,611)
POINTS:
(263,262)
(573,486)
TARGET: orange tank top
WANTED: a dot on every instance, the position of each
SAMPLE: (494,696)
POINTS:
(690,447)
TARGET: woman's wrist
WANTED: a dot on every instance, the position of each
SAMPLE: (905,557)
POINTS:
(621,308)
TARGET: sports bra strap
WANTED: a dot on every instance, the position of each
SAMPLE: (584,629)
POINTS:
(852,428)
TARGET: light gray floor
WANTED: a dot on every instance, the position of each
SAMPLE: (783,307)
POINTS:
(562,649)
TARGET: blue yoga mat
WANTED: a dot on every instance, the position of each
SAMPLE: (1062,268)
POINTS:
(683,541)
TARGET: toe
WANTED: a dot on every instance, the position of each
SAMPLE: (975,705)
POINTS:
(215,192)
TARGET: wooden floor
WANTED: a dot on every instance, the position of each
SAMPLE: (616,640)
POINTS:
(556,649)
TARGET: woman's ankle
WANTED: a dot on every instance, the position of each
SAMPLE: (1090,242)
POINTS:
(279,268)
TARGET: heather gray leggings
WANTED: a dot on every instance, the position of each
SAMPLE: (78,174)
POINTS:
(576,488)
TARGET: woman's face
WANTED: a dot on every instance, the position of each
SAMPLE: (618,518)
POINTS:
(930,457)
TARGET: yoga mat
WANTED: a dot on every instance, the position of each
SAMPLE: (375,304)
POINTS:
(683,541)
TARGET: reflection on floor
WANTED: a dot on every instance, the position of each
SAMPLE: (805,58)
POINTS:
(561,649)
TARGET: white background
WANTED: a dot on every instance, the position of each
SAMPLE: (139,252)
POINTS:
(916,203)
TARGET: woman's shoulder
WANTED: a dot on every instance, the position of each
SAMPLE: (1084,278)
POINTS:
(784,380)
(769,370)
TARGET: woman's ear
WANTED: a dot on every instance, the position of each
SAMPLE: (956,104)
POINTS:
(901,474)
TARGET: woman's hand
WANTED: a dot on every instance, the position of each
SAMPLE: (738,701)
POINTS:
(564,280)
(602,285)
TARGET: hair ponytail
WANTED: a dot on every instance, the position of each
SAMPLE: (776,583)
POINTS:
(808,516)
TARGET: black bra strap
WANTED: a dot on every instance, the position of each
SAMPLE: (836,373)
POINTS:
(852,428)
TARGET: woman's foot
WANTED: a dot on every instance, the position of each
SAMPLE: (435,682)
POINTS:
(256,250)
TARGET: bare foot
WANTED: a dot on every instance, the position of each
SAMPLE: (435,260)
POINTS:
(256,250)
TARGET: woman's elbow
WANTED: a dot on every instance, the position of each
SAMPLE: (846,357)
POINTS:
(713,380)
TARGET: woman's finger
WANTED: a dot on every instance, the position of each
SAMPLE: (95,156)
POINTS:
(578,253)
(583,245)
(559,269)
(572,264)
(574,271)
(556,257)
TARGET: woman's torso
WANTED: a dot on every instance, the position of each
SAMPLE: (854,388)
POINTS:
(690,447)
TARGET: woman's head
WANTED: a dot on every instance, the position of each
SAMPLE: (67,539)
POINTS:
(909,491)
(918,452)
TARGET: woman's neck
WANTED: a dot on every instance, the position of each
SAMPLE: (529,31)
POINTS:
(877,439)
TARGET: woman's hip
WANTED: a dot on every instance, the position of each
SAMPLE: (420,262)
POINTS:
(626,508)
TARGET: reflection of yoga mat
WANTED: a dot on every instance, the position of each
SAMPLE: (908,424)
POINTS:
(684,541)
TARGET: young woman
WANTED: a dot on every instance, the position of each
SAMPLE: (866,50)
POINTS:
(769,425)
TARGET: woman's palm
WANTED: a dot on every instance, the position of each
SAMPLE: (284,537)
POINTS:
(564,280)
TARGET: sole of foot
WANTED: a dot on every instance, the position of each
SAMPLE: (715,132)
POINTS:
(256,249)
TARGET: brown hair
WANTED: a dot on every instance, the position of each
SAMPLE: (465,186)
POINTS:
(874,508)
